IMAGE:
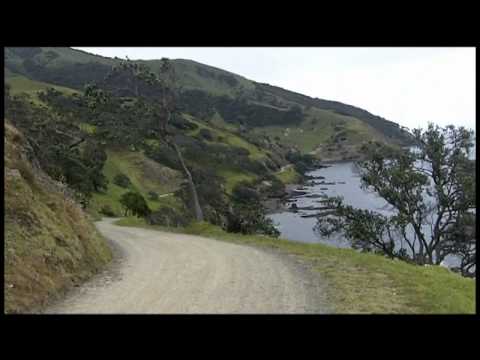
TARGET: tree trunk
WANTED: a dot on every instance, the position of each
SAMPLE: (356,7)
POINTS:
(191,185)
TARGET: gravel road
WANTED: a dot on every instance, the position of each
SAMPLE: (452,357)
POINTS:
(158,273)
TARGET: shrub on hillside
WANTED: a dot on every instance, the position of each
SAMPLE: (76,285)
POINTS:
(152,195)
(166,216)
(135,204)
(122,180)
(107,211)
(206,134)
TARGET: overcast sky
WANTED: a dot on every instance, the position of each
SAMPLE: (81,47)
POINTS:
(410,86)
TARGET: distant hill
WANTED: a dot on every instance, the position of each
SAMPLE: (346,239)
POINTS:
(231,130)
(262,108)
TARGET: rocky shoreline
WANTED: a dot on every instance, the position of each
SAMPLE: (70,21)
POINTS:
(287,202)
(293,191)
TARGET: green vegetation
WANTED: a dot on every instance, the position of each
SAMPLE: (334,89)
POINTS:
(193,75)
(60,147)
(229,130)
(135,204)
(122,180)
(144,174)
(402,178)
(233,178)
(88,128)
(21,84)
(50,244)
(229,138)
(134,221)
(363,283)
(288,175)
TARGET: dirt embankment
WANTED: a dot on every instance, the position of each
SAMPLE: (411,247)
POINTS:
(50,245)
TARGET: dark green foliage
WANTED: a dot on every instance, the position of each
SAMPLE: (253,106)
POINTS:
(247,214)
(432,188)
(152,195)
(59,145)
(206,134)
(302,162)
(250,219)
(163,154)
(135,204)
(107,211)
(276,188)
(244,193)
(74,75)
(132,79)
(122,180)
(180,123)
(210,193)
(237,110)
(205,72)
(229,79)
(196,102)
(166,216)
(245,113)
(387,127)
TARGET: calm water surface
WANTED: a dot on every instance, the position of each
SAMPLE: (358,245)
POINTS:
(293,227)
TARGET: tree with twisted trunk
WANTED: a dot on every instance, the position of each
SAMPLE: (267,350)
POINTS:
(168,88)
(431,192)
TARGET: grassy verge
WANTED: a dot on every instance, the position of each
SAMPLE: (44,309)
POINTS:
(141,223)
(364,283)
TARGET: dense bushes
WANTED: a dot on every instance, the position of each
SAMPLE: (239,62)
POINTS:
(245,113)
(196,102)
(122,180)
(63,151)
(302,162)
(237,110)
(135,204)
(152,195)
(166,216)
(107,211)
(247,214)
(74,75)
(206,134)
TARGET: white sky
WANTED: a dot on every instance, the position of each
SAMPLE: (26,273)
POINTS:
(410,86)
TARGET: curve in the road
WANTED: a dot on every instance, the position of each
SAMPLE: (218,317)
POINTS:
(160,272)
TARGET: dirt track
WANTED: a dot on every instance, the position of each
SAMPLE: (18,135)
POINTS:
(158,272)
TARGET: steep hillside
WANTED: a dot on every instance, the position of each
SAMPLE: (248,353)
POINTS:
(50,245)
(231,131)
(145,176)
(208,92)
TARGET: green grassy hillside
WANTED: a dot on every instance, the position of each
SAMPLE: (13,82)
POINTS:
(74,68)
(145,175)
(20,84)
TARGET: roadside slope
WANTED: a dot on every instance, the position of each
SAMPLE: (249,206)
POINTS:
(162,272)
(50,245)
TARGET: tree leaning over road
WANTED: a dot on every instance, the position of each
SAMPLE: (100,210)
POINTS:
(432,192)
